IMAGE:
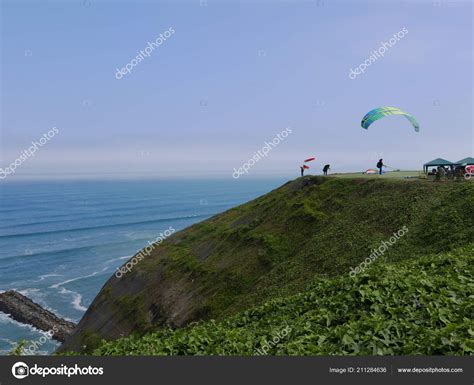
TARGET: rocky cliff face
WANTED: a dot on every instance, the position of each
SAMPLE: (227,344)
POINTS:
(24,310)
(273,246)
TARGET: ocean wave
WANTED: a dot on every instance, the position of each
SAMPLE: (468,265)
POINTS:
(60,252)
(121,213)
(7,319)
(44,276)
(104,226)
(57,285)
(30,292)
(8,341)
(109,261)
(76,299)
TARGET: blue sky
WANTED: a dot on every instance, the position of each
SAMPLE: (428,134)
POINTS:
(232,76)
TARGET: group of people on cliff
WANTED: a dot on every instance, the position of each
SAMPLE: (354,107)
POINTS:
(325,169)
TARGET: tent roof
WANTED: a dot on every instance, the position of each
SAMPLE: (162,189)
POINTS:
(438,162)
(466,161)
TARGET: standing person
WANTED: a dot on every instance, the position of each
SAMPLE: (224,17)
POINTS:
(302,170)
(380,165)
(326,168)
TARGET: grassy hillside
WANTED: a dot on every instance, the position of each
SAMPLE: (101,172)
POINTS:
(312,228)
(421,306)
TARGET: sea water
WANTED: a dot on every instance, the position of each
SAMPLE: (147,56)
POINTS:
(60,241)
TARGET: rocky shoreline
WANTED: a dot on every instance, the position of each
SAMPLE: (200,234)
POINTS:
(24,310)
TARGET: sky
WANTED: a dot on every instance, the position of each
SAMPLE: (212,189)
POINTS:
(232,76)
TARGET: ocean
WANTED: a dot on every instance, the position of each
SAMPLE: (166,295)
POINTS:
(62,240)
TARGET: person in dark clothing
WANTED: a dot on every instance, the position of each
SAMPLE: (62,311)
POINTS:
(325,169)
(440,173)
(380,165)
(302,170)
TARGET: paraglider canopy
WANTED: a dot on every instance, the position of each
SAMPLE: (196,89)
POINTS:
(380,112)
(371,171)
(309,160)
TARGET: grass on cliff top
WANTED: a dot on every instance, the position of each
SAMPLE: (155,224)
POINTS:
(388,175)
(420,306)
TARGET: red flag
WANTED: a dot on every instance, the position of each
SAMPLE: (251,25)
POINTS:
(309,159)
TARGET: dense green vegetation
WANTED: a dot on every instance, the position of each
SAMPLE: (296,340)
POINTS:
(422,306)
(310,230)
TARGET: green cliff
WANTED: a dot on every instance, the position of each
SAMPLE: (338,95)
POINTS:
(284,259)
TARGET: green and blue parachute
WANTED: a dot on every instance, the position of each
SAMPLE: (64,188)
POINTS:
(381,112)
